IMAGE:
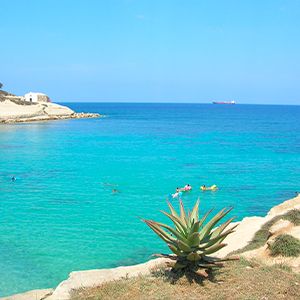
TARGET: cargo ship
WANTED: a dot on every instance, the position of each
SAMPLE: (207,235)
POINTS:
(224,102)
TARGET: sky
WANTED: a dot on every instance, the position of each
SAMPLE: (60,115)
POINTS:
(152,51)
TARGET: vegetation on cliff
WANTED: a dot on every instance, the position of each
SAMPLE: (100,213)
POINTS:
(262,235)
(285,245)
(193,239)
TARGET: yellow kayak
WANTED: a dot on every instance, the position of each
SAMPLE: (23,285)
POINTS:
(208,188)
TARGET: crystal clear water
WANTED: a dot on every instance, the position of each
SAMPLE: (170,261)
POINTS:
(60,214)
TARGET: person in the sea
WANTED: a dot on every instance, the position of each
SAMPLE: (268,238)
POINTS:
(115,191)
(187,187)
(13,178)
(176,195)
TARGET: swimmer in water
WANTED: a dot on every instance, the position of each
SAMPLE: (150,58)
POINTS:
(114,191)
(13,178)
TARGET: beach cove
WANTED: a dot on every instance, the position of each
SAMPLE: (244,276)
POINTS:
(60,214)
(243,235)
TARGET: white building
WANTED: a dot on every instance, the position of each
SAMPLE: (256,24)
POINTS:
(36,97)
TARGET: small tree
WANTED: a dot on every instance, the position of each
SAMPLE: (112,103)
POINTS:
(1,85)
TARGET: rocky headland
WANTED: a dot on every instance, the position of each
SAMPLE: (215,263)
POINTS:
(15,109)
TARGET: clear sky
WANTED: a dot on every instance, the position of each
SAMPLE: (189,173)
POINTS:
(152,51)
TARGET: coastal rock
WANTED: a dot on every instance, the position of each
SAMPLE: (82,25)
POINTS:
(11,110)
(52,109)
(21,111)
(284,207)
(93,278)
(31,295)
(243,234)
(295,232)
(280,227)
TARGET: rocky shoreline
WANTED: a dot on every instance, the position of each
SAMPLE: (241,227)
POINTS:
(17,111)
(50,118)
(238,240)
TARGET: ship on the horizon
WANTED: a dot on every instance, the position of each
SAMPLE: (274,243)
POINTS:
(224,102)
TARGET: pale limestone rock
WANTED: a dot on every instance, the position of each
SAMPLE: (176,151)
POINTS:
(52,109)
(280,226)
(93,278)
(263,254)
(284,207)
(295,232)
(31,295)
(243,234)
(11,112)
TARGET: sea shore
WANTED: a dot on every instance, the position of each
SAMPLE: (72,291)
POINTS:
(239,239)
(17,112)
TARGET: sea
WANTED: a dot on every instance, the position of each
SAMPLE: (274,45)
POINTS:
(61,214)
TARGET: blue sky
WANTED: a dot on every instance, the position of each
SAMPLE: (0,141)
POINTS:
(152,51)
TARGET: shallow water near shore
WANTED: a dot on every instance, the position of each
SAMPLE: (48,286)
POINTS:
(60,214)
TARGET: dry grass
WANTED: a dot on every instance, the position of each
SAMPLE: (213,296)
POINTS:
(237,280)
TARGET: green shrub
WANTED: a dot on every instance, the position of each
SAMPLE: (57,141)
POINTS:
(293,216)
(285,245)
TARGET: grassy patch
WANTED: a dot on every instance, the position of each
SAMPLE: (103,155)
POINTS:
(237,280)
(285,245)
(262,235)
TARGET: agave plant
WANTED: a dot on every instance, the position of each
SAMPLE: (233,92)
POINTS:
(192,239)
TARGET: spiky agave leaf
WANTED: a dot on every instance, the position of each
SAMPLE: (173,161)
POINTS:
(183,216)
(214,248)
(177,222)
(221,228)
(217,239)
(210,225)
(195,212)
(190,240)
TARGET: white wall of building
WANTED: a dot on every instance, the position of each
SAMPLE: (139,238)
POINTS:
(36,97)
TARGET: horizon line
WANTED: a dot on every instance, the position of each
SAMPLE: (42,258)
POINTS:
(149,102)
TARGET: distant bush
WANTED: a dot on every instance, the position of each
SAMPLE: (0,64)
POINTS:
(293,216)
(1,85)
(285,245)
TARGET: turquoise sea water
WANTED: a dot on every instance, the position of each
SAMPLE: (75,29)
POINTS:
(60,214)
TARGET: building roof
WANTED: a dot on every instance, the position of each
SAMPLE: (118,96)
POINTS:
(36,93)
